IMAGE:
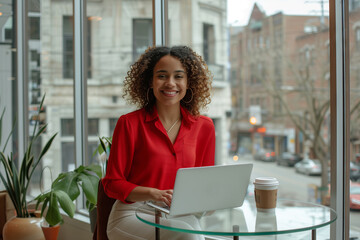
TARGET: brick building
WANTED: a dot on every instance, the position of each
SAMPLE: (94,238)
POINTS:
(268,72)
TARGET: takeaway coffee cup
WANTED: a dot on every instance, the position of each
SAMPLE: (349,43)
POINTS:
(266,193)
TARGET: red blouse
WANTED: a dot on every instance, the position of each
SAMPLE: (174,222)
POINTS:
(143,155)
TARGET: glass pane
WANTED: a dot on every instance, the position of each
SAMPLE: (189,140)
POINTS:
(271,105)
(7,79)
(354,45)
(119,31)
(50,72)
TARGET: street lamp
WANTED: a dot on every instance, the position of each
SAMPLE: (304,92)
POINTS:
(253,120)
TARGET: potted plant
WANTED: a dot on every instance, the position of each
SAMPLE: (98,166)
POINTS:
(16,179)
(64,190)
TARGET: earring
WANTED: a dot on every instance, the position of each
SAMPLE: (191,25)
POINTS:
(192,95)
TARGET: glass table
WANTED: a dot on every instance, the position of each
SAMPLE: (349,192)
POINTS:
(290,216)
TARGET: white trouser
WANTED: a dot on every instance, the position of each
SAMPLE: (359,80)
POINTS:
(124,225)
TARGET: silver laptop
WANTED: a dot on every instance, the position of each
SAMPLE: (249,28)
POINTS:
(202,189)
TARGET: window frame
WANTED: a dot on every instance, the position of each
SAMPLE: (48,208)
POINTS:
(339,107)
(339,78)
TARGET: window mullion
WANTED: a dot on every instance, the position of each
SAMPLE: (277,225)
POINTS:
(22,76)
(80,81)
(160,20)
(339,75)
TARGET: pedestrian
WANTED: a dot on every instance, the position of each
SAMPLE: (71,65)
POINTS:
(169,86)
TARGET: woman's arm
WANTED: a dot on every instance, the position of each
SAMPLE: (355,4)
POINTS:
(146,193)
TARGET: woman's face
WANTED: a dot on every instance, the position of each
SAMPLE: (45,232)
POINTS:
(169,81)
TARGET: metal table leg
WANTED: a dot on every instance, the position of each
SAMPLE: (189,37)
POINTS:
(157,221)
(313,234)
(236,228)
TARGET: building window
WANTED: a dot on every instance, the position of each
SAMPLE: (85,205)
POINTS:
(209,43)
(278,71)
(93,126)
(67,127)
(68,144)
(142,36)
(277,106)
(34,28)
(357,84)
(68,66)
(357,40)
(253,79)
(68,156)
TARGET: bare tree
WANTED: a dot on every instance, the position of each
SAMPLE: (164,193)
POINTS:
(310,89)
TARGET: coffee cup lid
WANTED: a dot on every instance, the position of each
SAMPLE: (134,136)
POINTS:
(266,181)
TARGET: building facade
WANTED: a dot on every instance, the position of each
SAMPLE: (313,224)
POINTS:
(264,72)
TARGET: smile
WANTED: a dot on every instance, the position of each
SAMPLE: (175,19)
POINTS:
(170,93)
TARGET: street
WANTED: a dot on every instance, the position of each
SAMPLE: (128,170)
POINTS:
(293,185)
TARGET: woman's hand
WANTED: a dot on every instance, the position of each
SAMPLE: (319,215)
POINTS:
(161,195)
(146,193)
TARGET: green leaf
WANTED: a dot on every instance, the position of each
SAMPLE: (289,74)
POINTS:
(103,146)
(94,168)
(65,202)
(10,134)
(22,171)
(53,215)
(45,204)
(40,131)
(89,186)
(47,146)
(67,182)
(80,169)
(29,165)
(4,161)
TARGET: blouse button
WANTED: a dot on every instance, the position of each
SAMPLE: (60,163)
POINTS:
(174,154)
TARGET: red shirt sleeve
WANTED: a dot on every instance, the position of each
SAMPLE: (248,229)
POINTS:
(209,148)
(120,161)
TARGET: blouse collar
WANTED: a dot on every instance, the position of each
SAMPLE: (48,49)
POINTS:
(187,118)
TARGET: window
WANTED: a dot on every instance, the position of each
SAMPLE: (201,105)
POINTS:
(68,61)
(209,43)
(67,156)
(68,65)
(93,127)
(357,38)
(142,36)
(68,144)
(34,23)
(67,127)
(116,43)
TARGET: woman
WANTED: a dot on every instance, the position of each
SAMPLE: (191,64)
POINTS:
(170,86)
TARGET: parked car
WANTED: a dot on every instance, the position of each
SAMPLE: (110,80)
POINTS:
(354,172)
(267,155)
(308,166)
(354,196)
(288,159)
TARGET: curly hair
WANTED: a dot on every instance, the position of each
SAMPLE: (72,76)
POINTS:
(139,78)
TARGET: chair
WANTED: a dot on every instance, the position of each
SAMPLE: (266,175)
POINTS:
(104,205)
